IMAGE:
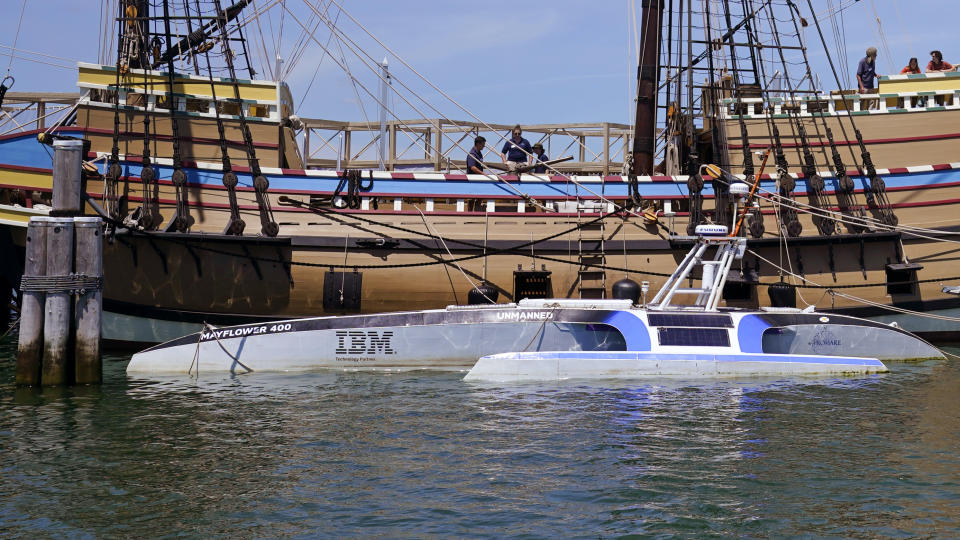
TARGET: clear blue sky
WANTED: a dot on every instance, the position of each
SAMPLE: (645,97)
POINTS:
(506,61)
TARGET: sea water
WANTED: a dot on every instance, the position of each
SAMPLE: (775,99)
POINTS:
(423,454)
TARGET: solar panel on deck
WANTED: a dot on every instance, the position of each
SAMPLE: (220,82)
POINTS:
(699,320)
(694,337)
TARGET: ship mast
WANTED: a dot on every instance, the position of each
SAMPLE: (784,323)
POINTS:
(648,75)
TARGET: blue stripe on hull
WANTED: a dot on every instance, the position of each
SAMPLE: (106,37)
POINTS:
(666,357)
(25,151)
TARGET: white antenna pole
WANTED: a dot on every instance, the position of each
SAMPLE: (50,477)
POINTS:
(340,151)
(384,89)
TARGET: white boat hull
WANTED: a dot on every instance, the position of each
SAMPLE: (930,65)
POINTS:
(618,365)
(455,338)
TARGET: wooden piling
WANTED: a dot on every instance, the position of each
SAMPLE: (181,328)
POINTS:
(58,306)
(30,345)
(67,175)
(89,247)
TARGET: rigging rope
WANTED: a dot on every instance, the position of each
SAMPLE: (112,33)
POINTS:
(114,171)
(790,222)
(150,217)
(16,36)
(518,249)
(832,290)
(235,224)
(183,220)
(355,47)
(268,225)
(877,196)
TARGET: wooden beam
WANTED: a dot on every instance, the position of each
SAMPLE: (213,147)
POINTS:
(66,98)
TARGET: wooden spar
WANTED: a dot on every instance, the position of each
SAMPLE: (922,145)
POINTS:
(648,75)
(30,346)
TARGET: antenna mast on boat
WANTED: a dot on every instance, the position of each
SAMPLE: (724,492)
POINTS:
(648,80)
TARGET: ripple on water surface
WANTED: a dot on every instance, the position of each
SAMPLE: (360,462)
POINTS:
(419,454)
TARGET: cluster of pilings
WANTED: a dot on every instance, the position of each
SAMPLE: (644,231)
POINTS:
(61,285)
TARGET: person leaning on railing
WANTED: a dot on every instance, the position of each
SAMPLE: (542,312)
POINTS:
(912,68)
(475,157)
(539,158)
(866,75)
(517,150)
(937,64)
(867,71)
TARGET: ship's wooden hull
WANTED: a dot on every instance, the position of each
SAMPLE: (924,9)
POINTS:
(191,279)
(286,277)
(423,246)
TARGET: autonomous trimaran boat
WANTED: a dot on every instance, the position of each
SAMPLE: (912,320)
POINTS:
(563,338)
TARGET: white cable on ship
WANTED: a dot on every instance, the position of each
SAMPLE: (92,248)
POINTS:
(865,221)
(354,48)
(852,297)
(333,28)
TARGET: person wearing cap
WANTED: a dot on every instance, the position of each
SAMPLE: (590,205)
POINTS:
(937,64)
(475,157)
(517,150)
(539,158)
(867,71)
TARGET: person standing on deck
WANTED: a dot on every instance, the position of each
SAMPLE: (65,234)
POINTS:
(937,64)
(539,158)
(516,151)
(475,157)
(867,71)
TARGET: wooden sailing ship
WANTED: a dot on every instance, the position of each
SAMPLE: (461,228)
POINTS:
(183,165)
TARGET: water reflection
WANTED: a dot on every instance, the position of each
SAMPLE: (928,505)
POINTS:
(418,454)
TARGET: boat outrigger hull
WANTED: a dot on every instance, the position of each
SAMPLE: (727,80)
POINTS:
(606,365)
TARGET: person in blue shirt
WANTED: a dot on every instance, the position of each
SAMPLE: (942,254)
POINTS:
(539,158)
(475,157)
(517,150)
(867,71)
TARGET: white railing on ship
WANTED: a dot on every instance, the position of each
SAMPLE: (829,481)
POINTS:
(491,206)
(836,104)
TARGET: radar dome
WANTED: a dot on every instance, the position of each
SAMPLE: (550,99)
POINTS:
(710,230)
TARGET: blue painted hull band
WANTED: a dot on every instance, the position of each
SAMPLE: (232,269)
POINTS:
(774,358)
(27,152)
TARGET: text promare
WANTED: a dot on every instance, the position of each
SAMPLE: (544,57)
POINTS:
(364,342)
(245,331)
